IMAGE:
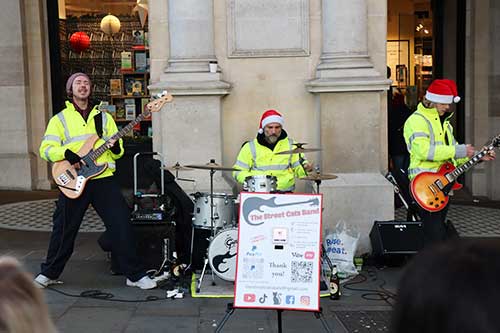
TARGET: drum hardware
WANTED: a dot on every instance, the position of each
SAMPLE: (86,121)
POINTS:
(177,167)
(317,177)
(213,167)
(300,149)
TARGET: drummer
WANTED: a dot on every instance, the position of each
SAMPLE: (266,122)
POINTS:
(258,157)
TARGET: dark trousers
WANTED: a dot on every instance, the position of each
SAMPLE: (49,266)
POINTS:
(434,226)
(105,196)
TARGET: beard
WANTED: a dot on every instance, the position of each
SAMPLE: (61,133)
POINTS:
(272,139)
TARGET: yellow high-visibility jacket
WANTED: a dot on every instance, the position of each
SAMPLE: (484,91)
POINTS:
(68,130)
(431,144)
(256,159)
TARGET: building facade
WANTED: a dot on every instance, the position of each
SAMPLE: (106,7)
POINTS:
(321,63)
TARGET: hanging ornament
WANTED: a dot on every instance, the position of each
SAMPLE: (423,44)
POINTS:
(79,41)
(110,24)
(142,8)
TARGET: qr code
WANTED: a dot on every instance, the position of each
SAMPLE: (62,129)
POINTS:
(302,271)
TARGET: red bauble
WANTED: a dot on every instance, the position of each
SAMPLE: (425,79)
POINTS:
(79,41)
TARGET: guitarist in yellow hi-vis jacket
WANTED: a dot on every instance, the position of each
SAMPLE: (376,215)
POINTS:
(66,135)
(430,141)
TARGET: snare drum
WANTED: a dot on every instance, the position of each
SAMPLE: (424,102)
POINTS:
(224,211)
(260,183)
(222,254)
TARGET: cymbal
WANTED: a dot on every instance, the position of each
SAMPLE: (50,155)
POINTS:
(298,151)
(211,166)
(177,167)
(319,176)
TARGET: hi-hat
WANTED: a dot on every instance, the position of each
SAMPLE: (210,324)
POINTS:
(298,150)
(211,166)
(177,167)
(319,176)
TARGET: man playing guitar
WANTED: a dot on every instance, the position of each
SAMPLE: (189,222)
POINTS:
(66,134)
(430,141)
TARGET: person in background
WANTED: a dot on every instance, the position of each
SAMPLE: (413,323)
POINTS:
(65,135)
(450,287)
(429,137)
(22,304)
(259,156)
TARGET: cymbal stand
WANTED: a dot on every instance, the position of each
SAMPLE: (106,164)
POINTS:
(212,227)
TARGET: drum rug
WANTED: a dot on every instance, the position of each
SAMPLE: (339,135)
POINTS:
(217,288)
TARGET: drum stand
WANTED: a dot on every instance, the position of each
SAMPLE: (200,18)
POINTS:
(212,228)
(230,310)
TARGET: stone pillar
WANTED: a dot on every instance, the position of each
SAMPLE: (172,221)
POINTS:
(350,91)
(189,130)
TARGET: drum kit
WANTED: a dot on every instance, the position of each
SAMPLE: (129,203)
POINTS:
(217,213)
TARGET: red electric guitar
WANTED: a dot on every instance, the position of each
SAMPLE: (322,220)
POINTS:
(72,181)
(430,189)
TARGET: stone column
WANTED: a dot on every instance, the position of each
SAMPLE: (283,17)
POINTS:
(189,129)
(350,91)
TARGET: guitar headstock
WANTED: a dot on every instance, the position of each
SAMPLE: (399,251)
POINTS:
(159,100)
(495,142)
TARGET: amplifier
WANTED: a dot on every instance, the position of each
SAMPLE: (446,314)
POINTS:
(145,215)
(154,243)
(396,237)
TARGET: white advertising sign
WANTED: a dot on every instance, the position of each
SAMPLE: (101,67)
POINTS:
(278,261)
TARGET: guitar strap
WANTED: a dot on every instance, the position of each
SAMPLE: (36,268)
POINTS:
(98,123)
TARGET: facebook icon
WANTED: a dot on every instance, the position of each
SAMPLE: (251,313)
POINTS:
(290,299)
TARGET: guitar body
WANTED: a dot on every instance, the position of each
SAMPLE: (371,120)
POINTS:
(71,181)
(426,188)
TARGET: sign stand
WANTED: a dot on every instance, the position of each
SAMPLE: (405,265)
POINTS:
(278,263)
(230,310)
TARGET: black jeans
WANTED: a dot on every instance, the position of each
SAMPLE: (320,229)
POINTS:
(434,225)
(105,196)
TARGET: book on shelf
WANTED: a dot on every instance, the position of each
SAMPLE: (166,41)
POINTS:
(126,64)
(134,86)
(144,102)
(141,62)
(120,110)
(115,87)
(138,36)
(129,111)
(111,109)
(129,101)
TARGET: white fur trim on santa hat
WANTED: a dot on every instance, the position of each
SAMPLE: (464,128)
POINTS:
(272,119)
(443,99)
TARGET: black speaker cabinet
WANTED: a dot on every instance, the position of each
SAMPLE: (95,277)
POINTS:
(155,241)
(200,247)
(396,237)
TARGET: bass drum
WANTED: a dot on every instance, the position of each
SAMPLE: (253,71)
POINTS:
(222,254)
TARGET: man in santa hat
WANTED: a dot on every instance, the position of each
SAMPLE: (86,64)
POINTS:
(259,156)
(430,141)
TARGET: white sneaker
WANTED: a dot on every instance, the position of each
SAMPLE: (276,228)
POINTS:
(42,281)
(144,283)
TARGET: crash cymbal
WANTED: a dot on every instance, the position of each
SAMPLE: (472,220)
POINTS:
(177,167)
(211,166)
(319,176)
(298,151)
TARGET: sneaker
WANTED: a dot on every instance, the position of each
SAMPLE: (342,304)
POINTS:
(42,281)
(144,283)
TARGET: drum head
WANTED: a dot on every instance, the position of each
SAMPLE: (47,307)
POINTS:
(222,254)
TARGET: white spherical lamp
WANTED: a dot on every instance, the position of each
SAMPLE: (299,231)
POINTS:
(110,24)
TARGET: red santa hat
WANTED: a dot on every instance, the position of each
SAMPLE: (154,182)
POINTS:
(442,91)
(268,117)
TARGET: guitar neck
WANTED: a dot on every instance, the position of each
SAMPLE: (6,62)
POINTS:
(452,176)
(99,151)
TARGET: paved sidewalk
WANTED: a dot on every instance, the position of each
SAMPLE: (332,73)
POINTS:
(129,311)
